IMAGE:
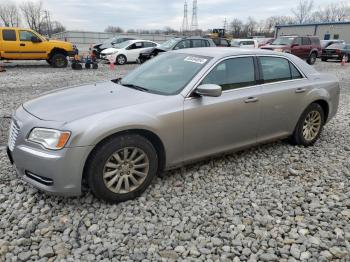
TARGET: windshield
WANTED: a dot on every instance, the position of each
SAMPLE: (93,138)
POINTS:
(169,44)
(235,43)
(166,74)
(122,45)
(283,41)
(110,40)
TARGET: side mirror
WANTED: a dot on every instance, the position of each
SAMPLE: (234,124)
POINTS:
(35,39)
(209,90)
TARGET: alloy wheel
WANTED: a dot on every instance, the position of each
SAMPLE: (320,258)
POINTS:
(121,60)
(126,170)
(312,125)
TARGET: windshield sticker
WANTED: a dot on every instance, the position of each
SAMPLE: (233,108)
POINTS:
(196,60)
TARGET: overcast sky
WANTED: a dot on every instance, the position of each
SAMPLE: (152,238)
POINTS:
(96,15)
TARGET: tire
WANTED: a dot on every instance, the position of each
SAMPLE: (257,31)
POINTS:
(324,59)
(94,66)
(312,58)
(87,65)
(59,61)
(121,60)
(103,162)
(299,137)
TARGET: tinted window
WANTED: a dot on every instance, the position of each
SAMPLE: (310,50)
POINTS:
(148,44)
(275,69)
(206,43)
(183,44)
(232,73)
(8,35)
(197,43)
(295,72)
(135,46)
(26,36)
(248,43)
(298,41)
(306,41)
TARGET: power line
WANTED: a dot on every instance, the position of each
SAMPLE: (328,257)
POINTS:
(194,23)
(185,19)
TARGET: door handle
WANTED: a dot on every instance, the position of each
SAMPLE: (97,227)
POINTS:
(22,44)
(251,100)
(300,90)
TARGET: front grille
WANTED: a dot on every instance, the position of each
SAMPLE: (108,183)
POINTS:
(13,134)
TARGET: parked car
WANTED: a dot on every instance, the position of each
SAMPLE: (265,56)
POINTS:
(182,106)
(244,43)
(337,52)
(175,44)
(264,41)
(305,47)
(326,43)
(128,51)
(221,42)
(97,49)
(26,44)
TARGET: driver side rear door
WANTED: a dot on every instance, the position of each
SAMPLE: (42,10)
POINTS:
(133,51)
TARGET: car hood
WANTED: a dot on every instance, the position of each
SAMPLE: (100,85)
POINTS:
(110,50)
(79,102)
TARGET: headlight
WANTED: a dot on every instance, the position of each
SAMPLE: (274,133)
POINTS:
(49,138)
(278,50)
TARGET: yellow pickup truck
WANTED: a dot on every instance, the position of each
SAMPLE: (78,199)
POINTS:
(26,44)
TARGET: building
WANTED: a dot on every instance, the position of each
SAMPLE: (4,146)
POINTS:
(325,31)
(85,39)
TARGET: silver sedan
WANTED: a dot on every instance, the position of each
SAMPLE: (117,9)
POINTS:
(115,137)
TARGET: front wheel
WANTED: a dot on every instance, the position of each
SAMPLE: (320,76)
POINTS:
(312,58)
(122,168)
(59,61)
(310,126)
(121,60)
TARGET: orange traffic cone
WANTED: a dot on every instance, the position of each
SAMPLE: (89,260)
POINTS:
(344,60)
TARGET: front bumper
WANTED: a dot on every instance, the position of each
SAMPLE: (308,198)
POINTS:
(55,172)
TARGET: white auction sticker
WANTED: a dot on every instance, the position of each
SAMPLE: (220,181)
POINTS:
(196,60)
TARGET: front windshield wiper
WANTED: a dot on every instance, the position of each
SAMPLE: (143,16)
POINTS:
(140,88)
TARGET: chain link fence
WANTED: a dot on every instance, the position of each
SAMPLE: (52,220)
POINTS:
(4,129)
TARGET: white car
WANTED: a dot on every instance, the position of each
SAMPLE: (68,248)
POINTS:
(128,51)
(245,43)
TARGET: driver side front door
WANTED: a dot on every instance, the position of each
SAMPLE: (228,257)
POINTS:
(218,124)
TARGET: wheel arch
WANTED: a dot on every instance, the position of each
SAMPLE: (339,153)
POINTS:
(325,106)
(149,135)
(57,50)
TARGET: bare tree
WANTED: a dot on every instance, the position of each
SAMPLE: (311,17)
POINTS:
(250,26)
(236,27)
(33,14)
(303,11)
(114,29)
(332,13)
(9,14)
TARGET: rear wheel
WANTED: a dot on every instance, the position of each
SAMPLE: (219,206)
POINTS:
(312,58)
(122,168)
(59,61)
(310,126)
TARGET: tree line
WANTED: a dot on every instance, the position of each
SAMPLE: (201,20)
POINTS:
(30,13)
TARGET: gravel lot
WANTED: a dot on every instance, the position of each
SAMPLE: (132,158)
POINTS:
(275,202)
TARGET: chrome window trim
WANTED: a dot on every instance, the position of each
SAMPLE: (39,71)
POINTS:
(188,97)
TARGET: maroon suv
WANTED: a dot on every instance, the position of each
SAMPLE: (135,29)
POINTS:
(305,47)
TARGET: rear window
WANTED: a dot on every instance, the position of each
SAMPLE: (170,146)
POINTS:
(306,41)
(277,69)
(9,35)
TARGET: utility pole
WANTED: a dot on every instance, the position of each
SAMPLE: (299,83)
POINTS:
(48,23)
(185,19)
(194,23)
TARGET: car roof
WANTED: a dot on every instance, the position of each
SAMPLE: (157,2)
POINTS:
(219,52)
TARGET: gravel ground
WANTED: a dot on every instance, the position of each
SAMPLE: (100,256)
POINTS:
(275,202)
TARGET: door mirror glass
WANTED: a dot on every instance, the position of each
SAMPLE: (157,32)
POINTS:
(209,90)
(35,39)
